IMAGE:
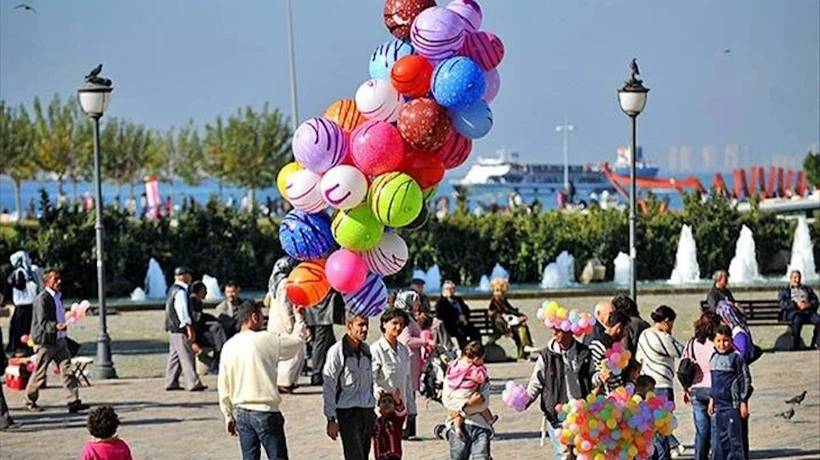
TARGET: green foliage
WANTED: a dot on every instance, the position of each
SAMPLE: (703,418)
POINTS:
(16,144)
(64,139)
(811,165)
(128,151)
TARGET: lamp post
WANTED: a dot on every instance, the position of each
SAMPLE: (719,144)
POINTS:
(294,105)
(566,129)
(632,98)
(94,97)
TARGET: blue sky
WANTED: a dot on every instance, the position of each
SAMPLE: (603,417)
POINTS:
(173,60)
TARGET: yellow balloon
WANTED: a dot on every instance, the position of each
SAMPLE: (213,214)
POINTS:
(284,173)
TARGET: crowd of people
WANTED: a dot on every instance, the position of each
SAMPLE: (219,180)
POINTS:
(370,389)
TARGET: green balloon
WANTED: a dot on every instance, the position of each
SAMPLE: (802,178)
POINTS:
(357,229)
(395,199)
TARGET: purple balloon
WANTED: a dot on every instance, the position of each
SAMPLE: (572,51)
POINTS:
(492,85)
(319,144)
(470,13)
(370,299)
(437,33)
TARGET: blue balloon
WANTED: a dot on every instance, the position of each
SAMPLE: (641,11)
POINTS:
(383,58)
(306,236)
(474,121)
(457,83)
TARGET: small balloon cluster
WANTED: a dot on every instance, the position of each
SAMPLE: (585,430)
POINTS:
(515,396)
(555,316)
(26,340)
(374,159)
(616,358)
(618,427)
(76,314)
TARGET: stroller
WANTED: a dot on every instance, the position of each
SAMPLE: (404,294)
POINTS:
(432,376)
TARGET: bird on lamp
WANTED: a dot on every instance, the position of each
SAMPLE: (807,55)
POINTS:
(634,70)
(93,76)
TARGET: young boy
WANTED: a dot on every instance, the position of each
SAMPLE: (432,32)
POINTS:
(645,384)
(729,396)
(102,424)
(387,430)
(465,377)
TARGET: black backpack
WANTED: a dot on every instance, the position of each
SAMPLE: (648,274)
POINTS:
(687,368)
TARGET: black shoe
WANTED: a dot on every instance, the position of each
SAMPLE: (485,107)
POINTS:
(438,432)
(199,388)
(11,427)
(173,389)
(316,380)
(33,407)
(77,406)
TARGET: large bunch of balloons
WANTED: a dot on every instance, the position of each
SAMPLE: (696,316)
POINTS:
(618,427)
(515,396)
(375,158)
(616,359)
(555,316)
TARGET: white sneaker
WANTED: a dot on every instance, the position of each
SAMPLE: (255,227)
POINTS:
(678,451)
(531,349)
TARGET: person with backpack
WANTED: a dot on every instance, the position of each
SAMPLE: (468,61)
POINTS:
(697,381)
(562,372)
(347,390)
(26,283)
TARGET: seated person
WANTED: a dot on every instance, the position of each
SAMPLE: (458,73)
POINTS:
(209,331)
(507,320)
(798,305)
(453,312)
(226,310)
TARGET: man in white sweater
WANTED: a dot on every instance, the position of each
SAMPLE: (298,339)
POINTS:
(248,396)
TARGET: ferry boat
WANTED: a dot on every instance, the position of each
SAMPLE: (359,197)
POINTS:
(643,167)
(505,173)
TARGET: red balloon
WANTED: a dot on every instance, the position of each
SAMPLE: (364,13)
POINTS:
(426,169)
(411,75)
(424,124)
(455,150)
(399,15)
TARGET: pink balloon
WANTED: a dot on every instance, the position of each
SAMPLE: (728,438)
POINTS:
(376,147)
(493,85)
(345,270)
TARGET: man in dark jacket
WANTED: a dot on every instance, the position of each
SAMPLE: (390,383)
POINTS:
(454,313)
(561,373)
(720,290)
(49,332)
(181,335)
(798,305)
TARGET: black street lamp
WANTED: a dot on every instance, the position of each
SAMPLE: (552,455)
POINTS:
(94,96)
(632,98)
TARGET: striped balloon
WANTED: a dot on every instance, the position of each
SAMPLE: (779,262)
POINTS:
(378,100)
(385,55)
(307,284)
(345,114)
(306,236)
(455,150)
(389,257)
(370,299)
(395,199)
(319,144)
(437,33)
(485,48)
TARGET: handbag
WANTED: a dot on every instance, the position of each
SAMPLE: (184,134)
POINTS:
(687,368)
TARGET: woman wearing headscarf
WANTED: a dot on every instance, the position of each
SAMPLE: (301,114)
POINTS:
(410,302)
(26,282)
(507,320)
(281,320)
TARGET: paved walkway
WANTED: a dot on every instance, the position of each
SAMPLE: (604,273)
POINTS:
(180,425)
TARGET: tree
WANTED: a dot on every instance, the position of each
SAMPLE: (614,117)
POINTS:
(811,165)
(16,144)
(63,141)
(128,151)
(250,148)
(181,155)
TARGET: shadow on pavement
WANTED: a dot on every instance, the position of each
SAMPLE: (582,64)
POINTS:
(510,436)
(129,347)
(783,453)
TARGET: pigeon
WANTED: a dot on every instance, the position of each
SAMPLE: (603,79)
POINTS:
(797,399)
(26,7)
(727,51)
(786,415)
(94,72)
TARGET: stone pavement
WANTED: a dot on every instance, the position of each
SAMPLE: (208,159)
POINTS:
(181,425)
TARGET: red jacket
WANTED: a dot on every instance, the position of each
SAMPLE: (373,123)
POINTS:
(387,433)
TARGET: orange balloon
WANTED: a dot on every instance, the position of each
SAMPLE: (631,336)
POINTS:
(345,114)
(411,75)
(307,284)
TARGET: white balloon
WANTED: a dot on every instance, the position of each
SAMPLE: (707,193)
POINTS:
(388,257)
(343,187)
(302,191)
(378,100)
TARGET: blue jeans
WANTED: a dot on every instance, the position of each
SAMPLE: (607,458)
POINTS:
(559,451)
(671,441)
(704,423)
(261,429)
(473,445)
(728,441)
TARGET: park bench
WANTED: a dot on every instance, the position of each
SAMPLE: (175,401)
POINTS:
(758,312)
(480,318)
